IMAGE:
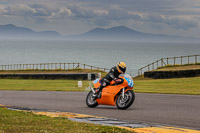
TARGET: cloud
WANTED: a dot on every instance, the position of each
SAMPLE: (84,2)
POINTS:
(34,10)
(18,10)
(101,17)
(106,16)
(61,13)
(81,12)
(181,22)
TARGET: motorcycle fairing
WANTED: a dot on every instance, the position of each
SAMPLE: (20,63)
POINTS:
(110,92)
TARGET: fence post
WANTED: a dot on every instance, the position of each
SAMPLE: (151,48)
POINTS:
(153,66)
(174,61)
(157,64)
(167,61)
(195,59)
(188,60)
(181,60)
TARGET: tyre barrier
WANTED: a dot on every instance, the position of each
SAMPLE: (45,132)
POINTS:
(172,74)
(73,76)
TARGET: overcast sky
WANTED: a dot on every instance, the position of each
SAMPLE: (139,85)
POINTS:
(172,17)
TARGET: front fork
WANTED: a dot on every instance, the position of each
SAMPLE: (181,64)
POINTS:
(92,89)
(123,91)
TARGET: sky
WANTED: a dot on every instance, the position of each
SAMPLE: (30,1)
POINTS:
(69,17)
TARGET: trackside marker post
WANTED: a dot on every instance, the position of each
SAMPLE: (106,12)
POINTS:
(80,84)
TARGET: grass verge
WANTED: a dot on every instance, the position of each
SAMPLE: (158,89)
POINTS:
(189,86)
(179,67)
(27,122)
(167,86)
(42,85)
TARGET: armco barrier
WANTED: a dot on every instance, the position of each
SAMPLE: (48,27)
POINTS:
(171,74)
(74,76)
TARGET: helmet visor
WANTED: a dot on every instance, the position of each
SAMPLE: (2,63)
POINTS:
(122,69)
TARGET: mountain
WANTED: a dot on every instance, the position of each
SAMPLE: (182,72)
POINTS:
(124,33)
(119,33)
(12,31)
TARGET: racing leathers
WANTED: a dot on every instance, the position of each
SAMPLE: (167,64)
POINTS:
(113,74)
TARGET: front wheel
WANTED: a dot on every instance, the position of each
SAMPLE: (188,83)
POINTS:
(127,101)
(90,101)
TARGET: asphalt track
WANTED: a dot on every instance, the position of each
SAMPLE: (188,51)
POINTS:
(154,109)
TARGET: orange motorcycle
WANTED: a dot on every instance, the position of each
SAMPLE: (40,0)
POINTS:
(119,93)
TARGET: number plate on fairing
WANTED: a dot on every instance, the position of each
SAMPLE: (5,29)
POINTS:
(130,82)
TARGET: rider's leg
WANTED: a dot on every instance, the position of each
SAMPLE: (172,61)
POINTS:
(104,83)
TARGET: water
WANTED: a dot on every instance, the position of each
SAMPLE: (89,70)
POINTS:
(100,54)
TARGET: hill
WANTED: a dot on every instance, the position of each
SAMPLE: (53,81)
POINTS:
(119,33)
(12,31)
(124,33)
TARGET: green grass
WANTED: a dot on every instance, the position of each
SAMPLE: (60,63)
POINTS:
(42,85)
(179,67)
(26,122)
(168,86)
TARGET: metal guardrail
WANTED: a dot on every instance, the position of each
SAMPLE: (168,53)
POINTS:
(50,66)
(180,60)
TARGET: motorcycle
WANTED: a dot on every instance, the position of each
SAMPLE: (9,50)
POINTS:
(119,93)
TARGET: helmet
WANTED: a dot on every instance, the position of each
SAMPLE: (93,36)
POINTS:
(121,67)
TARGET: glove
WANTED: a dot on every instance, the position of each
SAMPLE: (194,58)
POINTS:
(117,80)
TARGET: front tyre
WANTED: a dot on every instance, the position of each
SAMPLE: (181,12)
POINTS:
(127,101)
(90,101)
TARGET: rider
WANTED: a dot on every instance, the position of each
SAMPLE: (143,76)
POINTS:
(113,74)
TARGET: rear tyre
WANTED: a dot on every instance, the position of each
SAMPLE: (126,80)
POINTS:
(90,101)
(127,101)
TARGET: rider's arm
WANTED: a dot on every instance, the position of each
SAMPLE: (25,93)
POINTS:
(112,73)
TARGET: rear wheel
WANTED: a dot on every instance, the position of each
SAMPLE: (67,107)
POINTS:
(127,101)
(90,101)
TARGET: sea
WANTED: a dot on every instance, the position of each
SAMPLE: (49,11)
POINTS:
(97,53)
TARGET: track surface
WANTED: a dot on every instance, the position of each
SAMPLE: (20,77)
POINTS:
(160,109)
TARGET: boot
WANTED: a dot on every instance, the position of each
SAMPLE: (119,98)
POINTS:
(97,93)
